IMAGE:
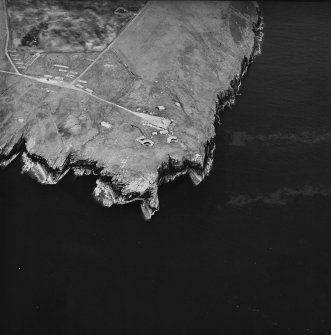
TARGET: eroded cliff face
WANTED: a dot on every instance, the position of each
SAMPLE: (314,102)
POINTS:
(144,111)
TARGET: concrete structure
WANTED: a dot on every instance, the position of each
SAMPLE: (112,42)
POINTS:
(164,132)
(106,124)
(145,141)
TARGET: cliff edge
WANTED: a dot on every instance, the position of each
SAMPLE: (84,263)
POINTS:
(137,114)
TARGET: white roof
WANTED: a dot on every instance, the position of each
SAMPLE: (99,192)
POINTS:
(63,66)
(105,124)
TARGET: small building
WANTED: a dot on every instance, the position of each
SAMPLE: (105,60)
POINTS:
(62,66)
(160,108)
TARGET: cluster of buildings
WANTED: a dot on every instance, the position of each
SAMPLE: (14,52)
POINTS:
(143,140)
(18,61)
(81,84)
(65,72)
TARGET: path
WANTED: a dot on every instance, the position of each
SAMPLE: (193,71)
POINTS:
(7,35)
(111,43)
(156,121)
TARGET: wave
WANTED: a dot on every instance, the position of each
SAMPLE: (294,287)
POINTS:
(242,138)
(279,197)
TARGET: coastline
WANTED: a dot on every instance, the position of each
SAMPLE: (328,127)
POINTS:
(109,189)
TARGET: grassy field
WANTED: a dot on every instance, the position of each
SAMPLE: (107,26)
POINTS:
(56,25)
(108,77)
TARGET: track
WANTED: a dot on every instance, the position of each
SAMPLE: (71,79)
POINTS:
(7,37)
(112,42)
(155,121)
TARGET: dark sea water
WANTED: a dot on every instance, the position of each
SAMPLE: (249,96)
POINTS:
(246,252)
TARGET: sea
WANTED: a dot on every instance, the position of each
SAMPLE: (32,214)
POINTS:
(248,251)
